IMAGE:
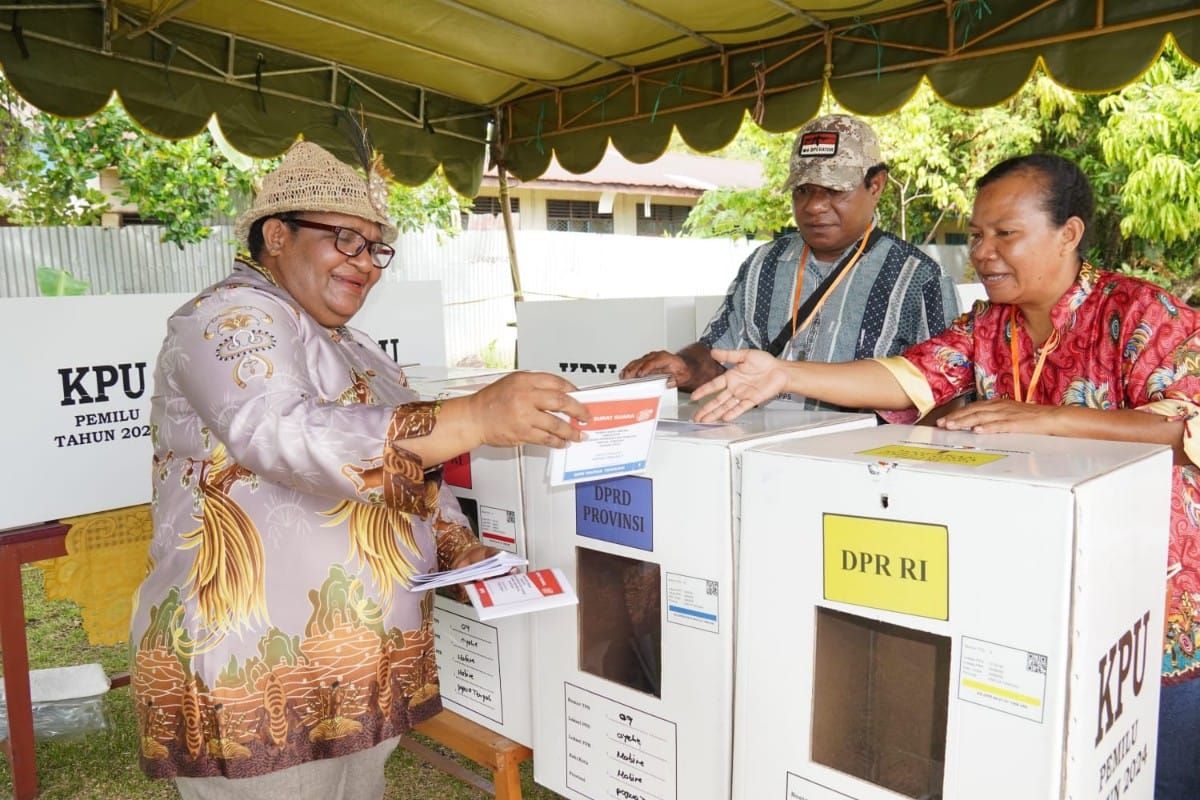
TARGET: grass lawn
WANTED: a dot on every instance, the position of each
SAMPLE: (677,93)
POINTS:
(104,765)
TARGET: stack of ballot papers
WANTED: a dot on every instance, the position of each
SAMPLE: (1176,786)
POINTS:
(498,564)
(521,593)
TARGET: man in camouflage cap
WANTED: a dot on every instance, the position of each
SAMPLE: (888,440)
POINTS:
(835,152)
(839,289)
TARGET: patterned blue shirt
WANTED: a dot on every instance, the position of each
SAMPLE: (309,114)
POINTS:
(893,298)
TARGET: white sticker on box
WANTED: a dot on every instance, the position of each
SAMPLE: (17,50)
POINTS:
(694,602)
(803,789)
(615,750)
(498,528)
(468,660)
(1003,678)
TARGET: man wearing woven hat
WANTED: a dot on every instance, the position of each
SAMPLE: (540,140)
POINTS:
(277,649)
(838,290)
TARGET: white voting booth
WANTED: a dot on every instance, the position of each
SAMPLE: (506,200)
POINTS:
(635,687)
(483,667)
(86,376)
(405,318)
(969,294)
(937,614)
(78,415)
(589,341)
(707,307)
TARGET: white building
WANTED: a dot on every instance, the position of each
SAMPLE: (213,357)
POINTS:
(618,196)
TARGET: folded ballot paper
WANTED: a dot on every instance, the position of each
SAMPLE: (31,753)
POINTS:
(624,415)
(499,564)
(521,593)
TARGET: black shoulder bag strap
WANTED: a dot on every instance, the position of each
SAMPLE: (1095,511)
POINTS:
(780,342)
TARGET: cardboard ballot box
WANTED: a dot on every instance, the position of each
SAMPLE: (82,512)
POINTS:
(635,687)
(589,341)
(932,614)
(483,667)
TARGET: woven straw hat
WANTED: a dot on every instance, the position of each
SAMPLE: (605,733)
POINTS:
(311,179)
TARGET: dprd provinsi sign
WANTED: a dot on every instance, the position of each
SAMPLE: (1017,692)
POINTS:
(78,377)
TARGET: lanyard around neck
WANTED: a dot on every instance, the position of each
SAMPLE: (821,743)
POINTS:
(1014,345)
(803,267)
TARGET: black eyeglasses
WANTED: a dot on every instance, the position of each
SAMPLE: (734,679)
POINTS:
(350,242)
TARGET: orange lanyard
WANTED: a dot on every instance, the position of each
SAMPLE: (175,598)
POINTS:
(800,270)
(1014,345)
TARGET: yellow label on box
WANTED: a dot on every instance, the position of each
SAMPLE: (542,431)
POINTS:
(889,565)
(938,455)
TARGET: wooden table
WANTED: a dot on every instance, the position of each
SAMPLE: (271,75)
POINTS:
(17,547)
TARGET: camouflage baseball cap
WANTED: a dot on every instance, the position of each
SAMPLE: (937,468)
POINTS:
(833,151)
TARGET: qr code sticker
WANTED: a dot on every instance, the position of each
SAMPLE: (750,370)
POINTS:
(710,588)
(1035,663)
(511,515)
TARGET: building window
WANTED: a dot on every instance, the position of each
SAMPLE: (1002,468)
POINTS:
(663,220)
(579,216)
(485,213)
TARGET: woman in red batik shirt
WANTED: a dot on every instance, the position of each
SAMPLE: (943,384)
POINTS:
(1097,355)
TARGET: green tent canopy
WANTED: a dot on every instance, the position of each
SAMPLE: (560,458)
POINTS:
(436,78)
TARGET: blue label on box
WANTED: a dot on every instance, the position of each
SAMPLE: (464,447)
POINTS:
(617,510)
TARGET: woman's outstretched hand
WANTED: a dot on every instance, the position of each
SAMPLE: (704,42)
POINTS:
(753,377)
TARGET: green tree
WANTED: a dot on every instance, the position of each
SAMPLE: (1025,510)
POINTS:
(751,213)
(45,170)
(1140,147)
(933,151)
(52,165)
(1151,141)
(49,168)
(433,204)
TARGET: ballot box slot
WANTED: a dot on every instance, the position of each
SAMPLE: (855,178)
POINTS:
(880,701)
(620,619)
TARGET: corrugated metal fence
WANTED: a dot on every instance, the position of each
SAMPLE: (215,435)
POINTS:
(128,260)
(473,269)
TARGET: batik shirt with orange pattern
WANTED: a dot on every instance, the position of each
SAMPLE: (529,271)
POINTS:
(1123,343)
(274,625)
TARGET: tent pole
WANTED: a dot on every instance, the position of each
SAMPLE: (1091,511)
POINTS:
(497,141)
(513,267)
